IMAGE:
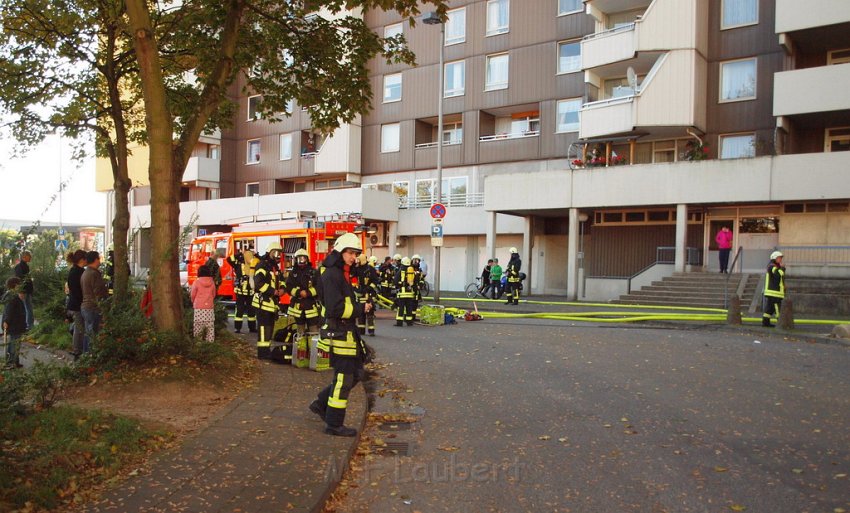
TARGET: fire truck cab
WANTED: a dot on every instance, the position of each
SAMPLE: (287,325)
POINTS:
(201,249)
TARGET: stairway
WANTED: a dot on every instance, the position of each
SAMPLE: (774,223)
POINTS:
(696,289)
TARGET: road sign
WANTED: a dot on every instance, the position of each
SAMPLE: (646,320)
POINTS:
(438,211)
(61,244)
(61,232)
(437,233)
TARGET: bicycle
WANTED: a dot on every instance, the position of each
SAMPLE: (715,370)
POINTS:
(424,288)
(473,290)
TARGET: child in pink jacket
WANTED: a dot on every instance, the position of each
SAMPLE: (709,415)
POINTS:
(203,298)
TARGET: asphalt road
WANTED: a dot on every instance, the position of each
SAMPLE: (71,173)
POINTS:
(528,416)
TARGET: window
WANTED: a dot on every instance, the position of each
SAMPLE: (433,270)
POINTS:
(497,72)
(456,26)
(838,56)
(526,125)
(454,190)
(737,146)
(568,115)
(737,13)
(390,137)
(285,146)
(253,108)
(569,57)
(452,133)
(738,80)
(569,6)
(392,88)
(498,16)
(426,191)
(455,72)
(393,30)
(214,151)
(252,189)
(837,139)
(253,154)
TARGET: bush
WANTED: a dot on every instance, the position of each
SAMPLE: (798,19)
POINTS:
(36,387)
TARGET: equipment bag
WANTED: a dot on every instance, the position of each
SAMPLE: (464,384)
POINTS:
(319,360)
(283,343)
(300,351)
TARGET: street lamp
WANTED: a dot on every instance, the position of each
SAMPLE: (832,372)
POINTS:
(582,218)
(432,18)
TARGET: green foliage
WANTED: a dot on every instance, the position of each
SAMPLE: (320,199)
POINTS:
(36,386)
(48,454)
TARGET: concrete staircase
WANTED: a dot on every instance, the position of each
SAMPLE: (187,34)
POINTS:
(696,289)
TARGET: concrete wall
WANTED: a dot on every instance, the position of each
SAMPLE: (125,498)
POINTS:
(605,289)
(794,15)
(803,91)
(458,221)
(819,229)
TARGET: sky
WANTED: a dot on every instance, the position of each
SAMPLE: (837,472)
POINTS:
(27,184)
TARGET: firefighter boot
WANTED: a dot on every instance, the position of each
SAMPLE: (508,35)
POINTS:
(340,431)
(316,408)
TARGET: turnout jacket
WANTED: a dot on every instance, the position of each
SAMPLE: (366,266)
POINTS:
(774,282)
(338,335)
(266,282)
(302,279)
(512,271)
(367,283)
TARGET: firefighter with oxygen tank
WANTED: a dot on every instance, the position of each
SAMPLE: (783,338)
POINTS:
(339,334)
(301,285)
(407,292)
(366,289)
(266,285)
(243,264)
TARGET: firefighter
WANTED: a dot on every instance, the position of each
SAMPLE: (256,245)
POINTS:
(266,285)
(407,285)
(387,277)
(367,291)
(774,288)
(514,280)
(244,291)
(301,285)
(416,263)
(339,334)
(373,261)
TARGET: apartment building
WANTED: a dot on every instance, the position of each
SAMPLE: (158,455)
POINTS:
(600,137)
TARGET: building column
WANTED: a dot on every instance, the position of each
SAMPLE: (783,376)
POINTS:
(572,256)
(490,243)
(392,237)
(681,237)
(527,235)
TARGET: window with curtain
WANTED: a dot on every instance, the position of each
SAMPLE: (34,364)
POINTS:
(568,115)
(390,135)
(738,80)
(254,107)
(454,79)
(253,155)
(252,189)
(737,146)
(497,72)
(498,16)
(739,12)
(392,88)
(285,146)
(570,6)
(456,26)
(569,56)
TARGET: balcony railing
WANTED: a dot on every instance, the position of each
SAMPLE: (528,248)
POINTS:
(434,144)
(817,255)
(470,199)
(512,135)
(615,30)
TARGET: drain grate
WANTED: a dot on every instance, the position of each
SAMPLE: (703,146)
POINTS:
(394,449)
(396,426)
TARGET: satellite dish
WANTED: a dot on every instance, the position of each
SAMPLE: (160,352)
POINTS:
(631,76)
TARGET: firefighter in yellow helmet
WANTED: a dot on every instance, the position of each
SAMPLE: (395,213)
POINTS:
(243,290)
(301,285)
(514,280)
(366,288)
(407,286)
(339,334)
(774,288)
(266,293)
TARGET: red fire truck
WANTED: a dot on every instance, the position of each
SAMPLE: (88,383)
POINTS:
(293,231)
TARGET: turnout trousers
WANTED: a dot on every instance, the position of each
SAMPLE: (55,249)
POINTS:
(265,333)
(243,310)
(334,398)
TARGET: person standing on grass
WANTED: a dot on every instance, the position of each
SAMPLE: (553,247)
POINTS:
(77,259)
(22,272)
(203,301)
(14,321)
(94,291)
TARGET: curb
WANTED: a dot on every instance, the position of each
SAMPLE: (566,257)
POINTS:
(332,484)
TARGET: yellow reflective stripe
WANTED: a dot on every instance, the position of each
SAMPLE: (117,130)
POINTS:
(334,401)
(312,291)
(294,311)
(344,343)
(344,352)
(348,311)
(294,291)
(263,344)
(324,345)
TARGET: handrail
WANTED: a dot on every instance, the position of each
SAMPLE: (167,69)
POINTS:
(434,144)
(607,32)
(512,135)
(729,275)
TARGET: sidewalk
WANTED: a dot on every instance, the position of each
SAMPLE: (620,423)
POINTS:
(265,452)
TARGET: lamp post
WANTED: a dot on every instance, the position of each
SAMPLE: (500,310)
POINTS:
(432,18)
(582,218)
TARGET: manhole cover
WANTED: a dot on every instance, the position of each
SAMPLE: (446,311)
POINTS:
(395,448)
(395,426)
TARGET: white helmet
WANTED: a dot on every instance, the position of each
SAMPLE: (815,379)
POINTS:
(397,256)
(513,251)
(348,241)
(416,257)
(273,246)
(373,260)
(405,261)
(776,254)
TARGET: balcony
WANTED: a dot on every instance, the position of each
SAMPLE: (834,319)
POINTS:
(202,171)
(509,146)
(467,199)
(613,45)
(791,17)
(671,96)
(425,156)
(811,90)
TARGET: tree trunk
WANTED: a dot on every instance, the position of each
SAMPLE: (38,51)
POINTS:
(164,179)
